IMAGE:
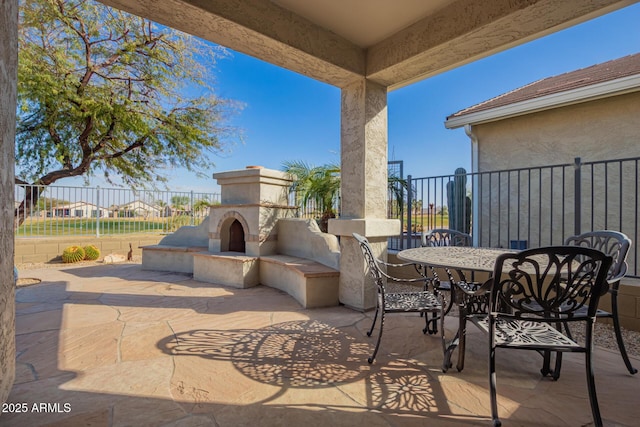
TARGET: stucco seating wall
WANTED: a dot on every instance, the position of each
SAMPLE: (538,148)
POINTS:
(175,251)
(305,263)
(226,268)
(178,259)
(312,284)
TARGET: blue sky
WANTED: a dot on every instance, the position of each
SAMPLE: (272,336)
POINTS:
(288,116)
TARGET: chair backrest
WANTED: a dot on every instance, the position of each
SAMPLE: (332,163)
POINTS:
(612,243)
(374,267)
(446,237)
(542,282)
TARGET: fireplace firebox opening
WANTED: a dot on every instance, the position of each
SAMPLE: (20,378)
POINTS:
(236,237)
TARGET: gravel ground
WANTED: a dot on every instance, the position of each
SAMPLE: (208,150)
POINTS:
(604,334)
(606,337)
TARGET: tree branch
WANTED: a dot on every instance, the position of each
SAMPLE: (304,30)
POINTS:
(137,144)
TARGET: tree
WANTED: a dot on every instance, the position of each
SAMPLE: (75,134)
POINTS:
(317,184)
(104,92)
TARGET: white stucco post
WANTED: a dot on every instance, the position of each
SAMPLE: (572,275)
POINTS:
(8,85)
(363,188)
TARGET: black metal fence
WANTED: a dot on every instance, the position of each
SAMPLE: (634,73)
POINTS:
(530,207)
(59,210)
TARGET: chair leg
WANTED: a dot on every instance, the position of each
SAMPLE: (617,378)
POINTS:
(546,363)
(375,351)
(446,363)
(616,328)
(593,398)
(546,355)
(431,325)
(462,337)
(558,367)
(492,386)
(373,324)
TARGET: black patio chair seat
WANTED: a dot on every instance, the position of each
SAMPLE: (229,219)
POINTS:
(410,302)
(524,333)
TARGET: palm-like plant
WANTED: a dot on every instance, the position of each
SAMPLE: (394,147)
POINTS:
(201,205)
(321,186)
(317,184)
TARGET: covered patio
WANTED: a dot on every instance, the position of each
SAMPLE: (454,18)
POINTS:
(365,49)
(116,345)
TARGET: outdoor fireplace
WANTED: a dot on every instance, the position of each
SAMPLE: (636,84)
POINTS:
(252,201)
(231,232)
(243,226)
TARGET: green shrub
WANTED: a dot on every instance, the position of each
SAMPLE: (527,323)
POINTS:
(91,253)
(73,254)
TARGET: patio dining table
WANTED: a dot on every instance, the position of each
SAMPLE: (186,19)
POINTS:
(454,257)
(459,258)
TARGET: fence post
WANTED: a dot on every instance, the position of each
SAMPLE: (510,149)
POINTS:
(577,176)
(409,202)
(98,211)
(191,211)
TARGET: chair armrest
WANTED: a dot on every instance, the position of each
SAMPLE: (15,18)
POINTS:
(397,279)
(422,279)
(615,280)
(388,264)
(473,299)
(480,291)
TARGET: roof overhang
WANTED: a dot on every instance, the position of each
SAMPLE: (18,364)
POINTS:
(579,95)
(392,43)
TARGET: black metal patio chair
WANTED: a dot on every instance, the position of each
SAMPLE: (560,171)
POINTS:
(531,294)
(617,245)
(422,300)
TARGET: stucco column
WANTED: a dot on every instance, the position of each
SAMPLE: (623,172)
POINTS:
(8,87)
(363,188)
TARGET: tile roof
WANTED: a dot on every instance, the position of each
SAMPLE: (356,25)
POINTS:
(599,73)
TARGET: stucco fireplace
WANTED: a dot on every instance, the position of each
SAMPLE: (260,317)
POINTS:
(243,226)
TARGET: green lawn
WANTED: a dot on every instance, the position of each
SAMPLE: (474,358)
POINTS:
(427,222)
(87,226)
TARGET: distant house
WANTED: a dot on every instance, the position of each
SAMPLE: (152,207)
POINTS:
(137,208)
(590,113)
(77,210)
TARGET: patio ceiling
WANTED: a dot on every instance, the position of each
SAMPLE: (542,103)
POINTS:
(392,43)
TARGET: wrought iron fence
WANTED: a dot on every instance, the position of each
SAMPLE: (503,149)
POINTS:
(59,210)
(529,207)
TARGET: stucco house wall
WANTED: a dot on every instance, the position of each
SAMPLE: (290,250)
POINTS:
(599,130)
(529,145)
(603,129)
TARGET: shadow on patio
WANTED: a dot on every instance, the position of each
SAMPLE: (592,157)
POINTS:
(123,346)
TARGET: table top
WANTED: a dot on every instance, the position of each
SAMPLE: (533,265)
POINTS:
(456,257)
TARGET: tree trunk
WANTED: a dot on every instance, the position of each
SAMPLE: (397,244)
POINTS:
(31,196)
(324,221)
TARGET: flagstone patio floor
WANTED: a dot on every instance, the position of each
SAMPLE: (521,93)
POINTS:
(114,345)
